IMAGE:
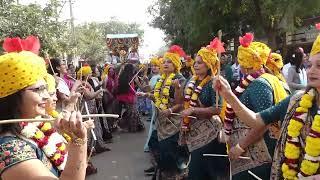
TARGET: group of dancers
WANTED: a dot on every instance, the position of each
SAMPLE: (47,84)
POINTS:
(201,129)
(260,129)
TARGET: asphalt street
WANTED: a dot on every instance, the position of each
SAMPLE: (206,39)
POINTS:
(126,160)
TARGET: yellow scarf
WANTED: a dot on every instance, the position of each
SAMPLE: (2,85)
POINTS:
(279,93)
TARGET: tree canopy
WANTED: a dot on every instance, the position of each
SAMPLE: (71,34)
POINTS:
(24,20)
(91,37)
(193,24)
(55,35)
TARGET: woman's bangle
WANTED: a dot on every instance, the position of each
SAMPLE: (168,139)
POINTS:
(79,141)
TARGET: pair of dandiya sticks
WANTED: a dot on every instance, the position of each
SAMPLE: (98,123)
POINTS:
(241,157)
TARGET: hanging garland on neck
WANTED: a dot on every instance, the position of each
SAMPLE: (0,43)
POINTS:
(191,97)
(161,95)
(293,151)
(230,114)
(48,140)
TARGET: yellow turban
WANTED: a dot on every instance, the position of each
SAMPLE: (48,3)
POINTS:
(51,82)
(155,61)
(274,64)
(161,65)
(210,58)
(316,46)
(174,54)
(275,61)
(20,70)
(84,71)
(175,58)
(252,54)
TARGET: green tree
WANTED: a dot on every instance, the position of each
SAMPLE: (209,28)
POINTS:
(90,41)
(193,23)
(114,26)
(25,20)
(91,37)
(272,17)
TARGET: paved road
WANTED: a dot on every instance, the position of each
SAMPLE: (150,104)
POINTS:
(125,161)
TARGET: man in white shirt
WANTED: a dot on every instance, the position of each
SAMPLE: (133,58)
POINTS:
(236,70)
(285,69)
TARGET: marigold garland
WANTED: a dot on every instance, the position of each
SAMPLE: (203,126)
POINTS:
(292,151)
(191,97)
(162,97)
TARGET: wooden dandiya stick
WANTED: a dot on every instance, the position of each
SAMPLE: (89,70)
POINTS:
(135,75)
(10,121)
(80,71)
(225,155)
(166,118)
(50,64)
(177,114)
(92,133)
(218,73)
(77,106)
(71,77)
(255,176)
(85,83)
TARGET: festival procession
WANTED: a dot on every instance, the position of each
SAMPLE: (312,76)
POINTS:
(177,90)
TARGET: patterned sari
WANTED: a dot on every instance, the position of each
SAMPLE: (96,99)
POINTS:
(279,157)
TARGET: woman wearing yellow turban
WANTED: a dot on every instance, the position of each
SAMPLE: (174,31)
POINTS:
(258,91)
(275,64)
(297,149)
(105,72)
(35,150)
(155,71)
(167,97)
(89,100)
(201,134)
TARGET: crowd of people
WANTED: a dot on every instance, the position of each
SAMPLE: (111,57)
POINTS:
(259,119)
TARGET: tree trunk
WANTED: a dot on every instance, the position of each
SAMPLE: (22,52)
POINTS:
(236,4)
(271,35)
